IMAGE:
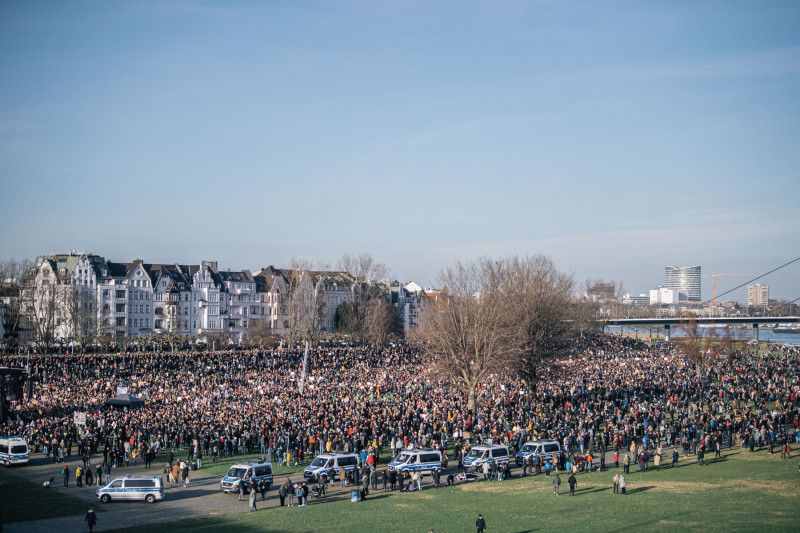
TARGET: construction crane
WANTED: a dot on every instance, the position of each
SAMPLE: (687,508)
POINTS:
(714,285)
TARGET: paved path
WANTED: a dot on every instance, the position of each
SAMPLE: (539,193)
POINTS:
(203,498)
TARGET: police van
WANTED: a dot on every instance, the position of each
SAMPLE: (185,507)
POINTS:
(13,451)
(543,448)
(423,460)
(486,453)
(242,472)
(130,488)
(329,464)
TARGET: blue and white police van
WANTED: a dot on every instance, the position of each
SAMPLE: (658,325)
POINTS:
(242,472)
(486,453)
(13,451)
(422,460)
(543,448)
(329,464)
(132,488)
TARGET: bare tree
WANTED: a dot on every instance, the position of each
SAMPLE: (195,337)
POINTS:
(259,334)
(11,275)
(42,304)
(381,321)
(302,304)
(83,317)
(691,346)
(541,300)
(369,317)
(467,331)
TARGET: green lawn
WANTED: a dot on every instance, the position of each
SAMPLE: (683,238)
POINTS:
(220,468)
(22,500)
(741,492)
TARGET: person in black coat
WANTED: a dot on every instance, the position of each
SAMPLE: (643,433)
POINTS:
(480,524)
(90,519)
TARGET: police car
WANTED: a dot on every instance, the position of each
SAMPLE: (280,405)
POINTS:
(242,472)
(423,460)
(486,453)
(128,488)
(329,464)
(543,448)
(13,451)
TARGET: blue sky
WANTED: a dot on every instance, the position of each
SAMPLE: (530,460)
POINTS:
(616,137)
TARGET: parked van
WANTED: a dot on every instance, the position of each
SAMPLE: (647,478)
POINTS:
(486,453)
(328,464)
(544,448)
(13,451)
(242,472)
(147,488)
(423,460)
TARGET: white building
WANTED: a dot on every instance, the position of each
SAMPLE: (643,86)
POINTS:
(663,296)
(758,296)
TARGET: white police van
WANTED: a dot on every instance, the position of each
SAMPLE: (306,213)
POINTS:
(129,488)
(543,448)
(242,472)
(486,453)
(328,465)
(13,451)
(422,460)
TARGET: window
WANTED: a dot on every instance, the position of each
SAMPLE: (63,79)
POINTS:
(116,484)
(136,322)
(120,322)
(120,308)
(120,294)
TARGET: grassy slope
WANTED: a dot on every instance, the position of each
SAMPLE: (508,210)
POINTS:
(741,492)
(22,500)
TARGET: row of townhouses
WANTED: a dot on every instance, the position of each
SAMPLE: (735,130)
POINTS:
(143,299)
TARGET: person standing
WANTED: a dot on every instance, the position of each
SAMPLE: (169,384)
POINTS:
(622,483)
(283,491)
(674,457)
(572,482)
(616,484)
(480,525)
(65,473)
(252,496)
(556,484)
(90,518)
(626,464)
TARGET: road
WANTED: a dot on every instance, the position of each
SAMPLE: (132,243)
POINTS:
(203,498)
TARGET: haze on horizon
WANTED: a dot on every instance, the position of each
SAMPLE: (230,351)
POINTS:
(615,137)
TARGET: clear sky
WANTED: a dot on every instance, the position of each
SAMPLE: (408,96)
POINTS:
(616,137)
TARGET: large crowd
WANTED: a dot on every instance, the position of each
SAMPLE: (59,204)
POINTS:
(608,393)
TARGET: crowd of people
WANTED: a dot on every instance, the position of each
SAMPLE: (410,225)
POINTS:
(610,393)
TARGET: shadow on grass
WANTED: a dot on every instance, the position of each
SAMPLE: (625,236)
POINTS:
(640,489)
(590,490)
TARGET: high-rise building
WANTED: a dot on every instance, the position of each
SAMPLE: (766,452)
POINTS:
(685,281)
(758,295)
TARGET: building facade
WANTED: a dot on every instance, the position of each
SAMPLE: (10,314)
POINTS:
(758,296)
(685,281)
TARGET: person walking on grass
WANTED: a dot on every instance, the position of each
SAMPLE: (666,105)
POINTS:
(622,484)
(616,484)
(480,525)
(572,483)
(556,484)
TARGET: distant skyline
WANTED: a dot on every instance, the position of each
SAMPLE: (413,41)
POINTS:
(615,137)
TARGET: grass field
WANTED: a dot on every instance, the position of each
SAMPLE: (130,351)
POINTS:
(22,500)
(740,492)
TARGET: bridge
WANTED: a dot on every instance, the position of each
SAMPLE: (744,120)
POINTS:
(753,321)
